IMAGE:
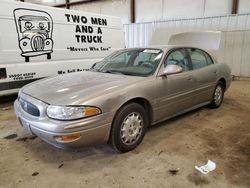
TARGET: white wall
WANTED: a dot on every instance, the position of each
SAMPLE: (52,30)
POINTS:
(217,7)
(120,8)
(244,6)
(46,2)
(149,10)
(157,10)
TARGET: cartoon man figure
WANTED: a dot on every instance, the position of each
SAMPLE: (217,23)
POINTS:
(42,29)
(41,26)
(28,26)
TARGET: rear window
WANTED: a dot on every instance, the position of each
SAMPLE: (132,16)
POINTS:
(199,58)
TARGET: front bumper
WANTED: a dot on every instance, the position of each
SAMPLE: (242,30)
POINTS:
(93,130)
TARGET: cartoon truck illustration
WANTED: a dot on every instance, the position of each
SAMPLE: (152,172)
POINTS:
(34,29)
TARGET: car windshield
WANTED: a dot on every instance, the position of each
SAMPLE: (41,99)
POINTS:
(135,62)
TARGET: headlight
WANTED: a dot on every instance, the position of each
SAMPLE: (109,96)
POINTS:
(71,112)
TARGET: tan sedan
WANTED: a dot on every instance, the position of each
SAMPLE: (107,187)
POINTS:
(119,97)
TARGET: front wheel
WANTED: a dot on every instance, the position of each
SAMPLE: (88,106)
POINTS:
(217,96)
(129,127)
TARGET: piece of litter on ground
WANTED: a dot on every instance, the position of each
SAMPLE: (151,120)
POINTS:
(35,173)
(160,152)
(210,166)
(60,166)
(11,136)
(173,171)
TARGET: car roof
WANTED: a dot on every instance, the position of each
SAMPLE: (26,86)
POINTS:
(164,47)
(169,47)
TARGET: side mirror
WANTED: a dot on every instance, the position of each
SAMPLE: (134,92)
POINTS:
(171,69)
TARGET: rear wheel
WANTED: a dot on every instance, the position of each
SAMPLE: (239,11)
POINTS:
(129,127)
(218,95)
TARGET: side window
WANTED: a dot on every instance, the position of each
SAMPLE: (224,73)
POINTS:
(198,58)
(178,57)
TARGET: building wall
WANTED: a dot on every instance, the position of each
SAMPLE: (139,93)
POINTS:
(148,10)
(158,10)
(244,6)
(120,8)
(45,2)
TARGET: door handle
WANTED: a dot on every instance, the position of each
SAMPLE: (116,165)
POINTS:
(215,71)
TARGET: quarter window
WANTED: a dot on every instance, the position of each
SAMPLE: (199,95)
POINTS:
(209,59)
(178,57)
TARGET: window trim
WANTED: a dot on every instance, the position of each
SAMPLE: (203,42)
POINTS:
(161,64)
(207,55)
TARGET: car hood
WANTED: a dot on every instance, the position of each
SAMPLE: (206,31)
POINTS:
(75,88)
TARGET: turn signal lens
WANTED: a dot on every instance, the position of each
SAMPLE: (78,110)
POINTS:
(68,138)
(91,111)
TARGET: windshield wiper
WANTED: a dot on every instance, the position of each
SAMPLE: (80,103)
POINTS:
(110,71)
(130,74)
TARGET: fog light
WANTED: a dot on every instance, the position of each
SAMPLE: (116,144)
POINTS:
(67,138)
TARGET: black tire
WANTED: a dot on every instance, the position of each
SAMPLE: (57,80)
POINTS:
(216,103)
(125,114)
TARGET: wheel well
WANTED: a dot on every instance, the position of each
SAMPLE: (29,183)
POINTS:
(145,104)
(223,81)
(141,101)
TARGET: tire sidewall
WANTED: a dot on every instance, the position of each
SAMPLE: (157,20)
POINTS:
(117,123)
(213,103)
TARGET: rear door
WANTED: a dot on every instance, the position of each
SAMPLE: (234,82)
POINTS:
(205,73)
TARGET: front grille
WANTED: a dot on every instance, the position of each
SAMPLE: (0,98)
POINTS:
(38,43)
(29,108)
